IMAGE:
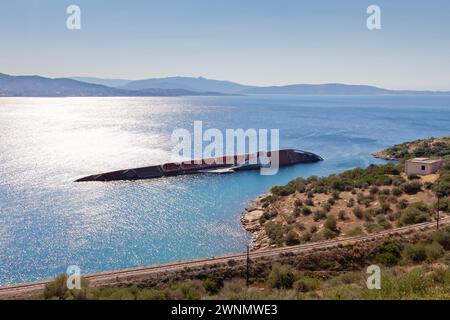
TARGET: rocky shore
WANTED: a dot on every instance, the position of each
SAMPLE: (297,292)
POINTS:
(250,221)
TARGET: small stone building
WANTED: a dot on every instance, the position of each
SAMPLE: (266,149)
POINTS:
(422,166)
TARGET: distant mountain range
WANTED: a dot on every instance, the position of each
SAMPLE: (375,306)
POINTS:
(36,86)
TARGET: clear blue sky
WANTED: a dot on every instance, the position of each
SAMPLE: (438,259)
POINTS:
(259,42)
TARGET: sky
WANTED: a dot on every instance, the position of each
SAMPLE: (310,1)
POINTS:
(258,42)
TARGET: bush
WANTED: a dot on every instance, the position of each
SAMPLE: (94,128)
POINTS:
(413,177)
(358,212)
(420,252)
(356,231)
(388,254)
(412,215)
(443,237)
(307,236)
(385,207)
(57,289)
(444,205)
(447,259)
(351,203)
(309,202)
(434,251)
(374,190)
(397,191)
(403,204)
(342,215)
(267,215)
(306,211)
(415,252)
(297,211)
(298,203)
(275,231)
(306,284)
(319,215)
(292,238)
(331,230)
(412,188)
(282,191)
(213,286)
(282,276)
(313,229)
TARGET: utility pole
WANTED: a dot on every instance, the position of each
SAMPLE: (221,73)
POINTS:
(248,262)
(437,216)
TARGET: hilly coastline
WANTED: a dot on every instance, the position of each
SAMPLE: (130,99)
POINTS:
(37,86)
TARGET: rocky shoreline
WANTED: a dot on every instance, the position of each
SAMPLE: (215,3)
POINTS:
(250,221)
(383,156)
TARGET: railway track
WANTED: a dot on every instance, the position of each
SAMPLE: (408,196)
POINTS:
(110,277)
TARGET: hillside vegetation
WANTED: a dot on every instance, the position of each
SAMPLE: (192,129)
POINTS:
(413,271)
(357,201)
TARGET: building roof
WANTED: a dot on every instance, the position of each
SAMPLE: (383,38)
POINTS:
(424,160)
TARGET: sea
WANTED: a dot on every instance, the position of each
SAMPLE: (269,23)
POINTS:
(48,222)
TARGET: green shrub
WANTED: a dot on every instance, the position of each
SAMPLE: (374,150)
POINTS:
(298,203)
(275,232)
(434,251)
(213,286)
(412,188)
(57,290)
(150,294)
(415,252)
(292,238)
(412,215)
(319,215)
(403,204)
(306,211)
(421,251)
(309,202)
(330,228)
(307,236)
(297,211)
(447,259)
(327,207)
(356,231)
(282,276)
(374,190)
(388,253)
(358,212)
(443,237)
(397,191)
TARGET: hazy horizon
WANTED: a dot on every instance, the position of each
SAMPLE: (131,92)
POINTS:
(253,42)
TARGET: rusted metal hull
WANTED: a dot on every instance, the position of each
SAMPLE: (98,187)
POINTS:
(253,161)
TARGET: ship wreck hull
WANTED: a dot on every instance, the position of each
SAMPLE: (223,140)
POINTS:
(286,157)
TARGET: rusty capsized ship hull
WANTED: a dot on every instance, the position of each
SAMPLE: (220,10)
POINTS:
(286,157)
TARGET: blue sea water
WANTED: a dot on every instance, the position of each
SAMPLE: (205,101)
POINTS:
(47,222)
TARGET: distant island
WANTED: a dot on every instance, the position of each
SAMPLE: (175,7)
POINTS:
(37,86)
